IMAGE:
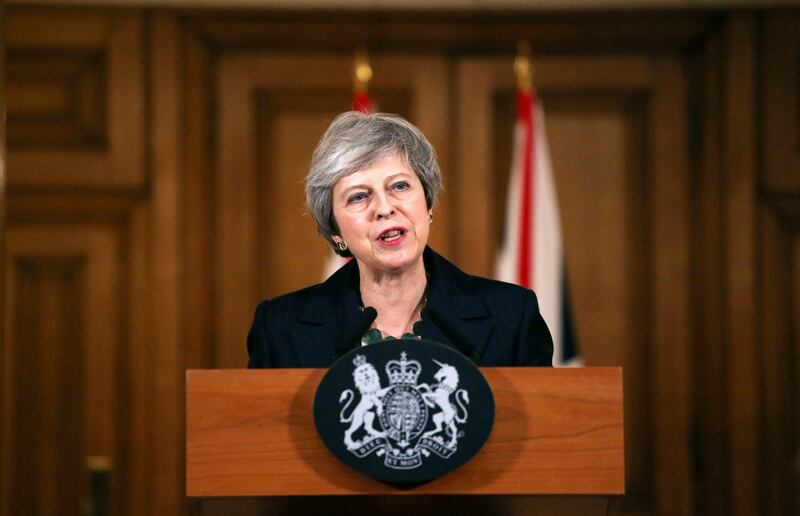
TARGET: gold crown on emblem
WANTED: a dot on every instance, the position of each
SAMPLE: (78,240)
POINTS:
(403,371)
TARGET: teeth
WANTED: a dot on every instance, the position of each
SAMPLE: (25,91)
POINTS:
(391,234)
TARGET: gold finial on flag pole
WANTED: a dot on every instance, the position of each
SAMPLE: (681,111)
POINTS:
(362,71)
(523,68)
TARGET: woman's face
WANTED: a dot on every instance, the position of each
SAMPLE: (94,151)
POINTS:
(382,215)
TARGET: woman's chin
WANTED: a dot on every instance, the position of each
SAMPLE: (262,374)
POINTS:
(394,262)
(397,266)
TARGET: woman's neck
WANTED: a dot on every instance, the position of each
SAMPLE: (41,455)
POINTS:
(398,297)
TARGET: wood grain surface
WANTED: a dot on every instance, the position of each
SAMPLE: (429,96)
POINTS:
(557,431)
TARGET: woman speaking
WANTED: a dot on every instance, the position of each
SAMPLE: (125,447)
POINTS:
(371,189)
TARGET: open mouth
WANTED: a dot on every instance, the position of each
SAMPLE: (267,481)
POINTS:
(390,235)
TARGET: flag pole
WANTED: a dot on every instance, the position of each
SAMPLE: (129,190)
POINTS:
(523,68)
(362,75)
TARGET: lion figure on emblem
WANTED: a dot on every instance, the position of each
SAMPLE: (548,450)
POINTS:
(368,384)
(439,396)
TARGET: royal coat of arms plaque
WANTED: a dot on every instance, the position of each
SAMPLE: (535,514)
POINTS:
(404,410)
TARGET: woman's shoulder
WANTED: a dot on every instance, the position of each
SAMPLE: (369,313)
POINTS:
(500,288)
(479,284)
(314,300)
(504,300)
(290,301)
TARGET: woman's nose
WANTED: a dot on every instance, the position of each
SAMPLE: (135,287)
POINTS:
(383,206)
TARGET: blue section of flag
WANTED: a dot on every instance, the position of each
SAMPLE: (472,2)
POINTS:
(569,340)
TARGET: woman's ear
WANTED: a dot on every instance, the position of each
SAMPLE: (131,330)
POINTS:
(340,243)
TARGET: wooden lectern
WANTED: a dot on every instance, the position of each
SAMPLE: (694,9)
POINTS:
(556,448)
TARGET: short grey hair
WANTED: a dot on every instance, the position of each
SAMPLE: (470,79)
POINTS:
(353,142)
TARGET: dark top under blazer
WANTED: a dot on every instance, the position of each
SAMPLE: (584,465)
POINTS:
(502,321)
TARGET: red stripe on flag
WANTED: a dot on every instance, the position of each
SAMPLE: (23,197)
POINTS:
(525,112)
(362,101)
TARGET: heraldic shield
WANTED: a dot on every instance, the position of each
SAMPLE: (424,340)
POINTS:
(405,411)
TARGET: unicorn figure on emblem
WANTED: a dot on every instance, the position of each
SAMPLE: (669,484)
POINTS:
(439,396)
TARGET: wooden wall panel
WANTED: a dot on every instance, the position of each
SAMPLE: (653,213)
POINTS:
(739,162)
(57,100)
(779,253)
(165,272)
(669,315)
(62,344)
(76,99)
(48,410)
(707,444)
(780,298)
(113,383)
(781,114)
(134,469)
(74,254)
(5,426)
(198,199)
(608,125)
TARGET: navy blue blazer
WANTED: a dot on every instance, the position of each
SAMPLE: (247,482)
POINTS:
(500,320)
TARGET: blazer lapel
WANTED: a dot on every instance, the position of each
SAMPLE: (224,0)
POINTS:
(450,295)
(328,318)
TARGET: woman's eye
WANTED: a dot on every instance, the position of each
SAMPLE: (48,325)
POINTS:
(357,197)
(401,186)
